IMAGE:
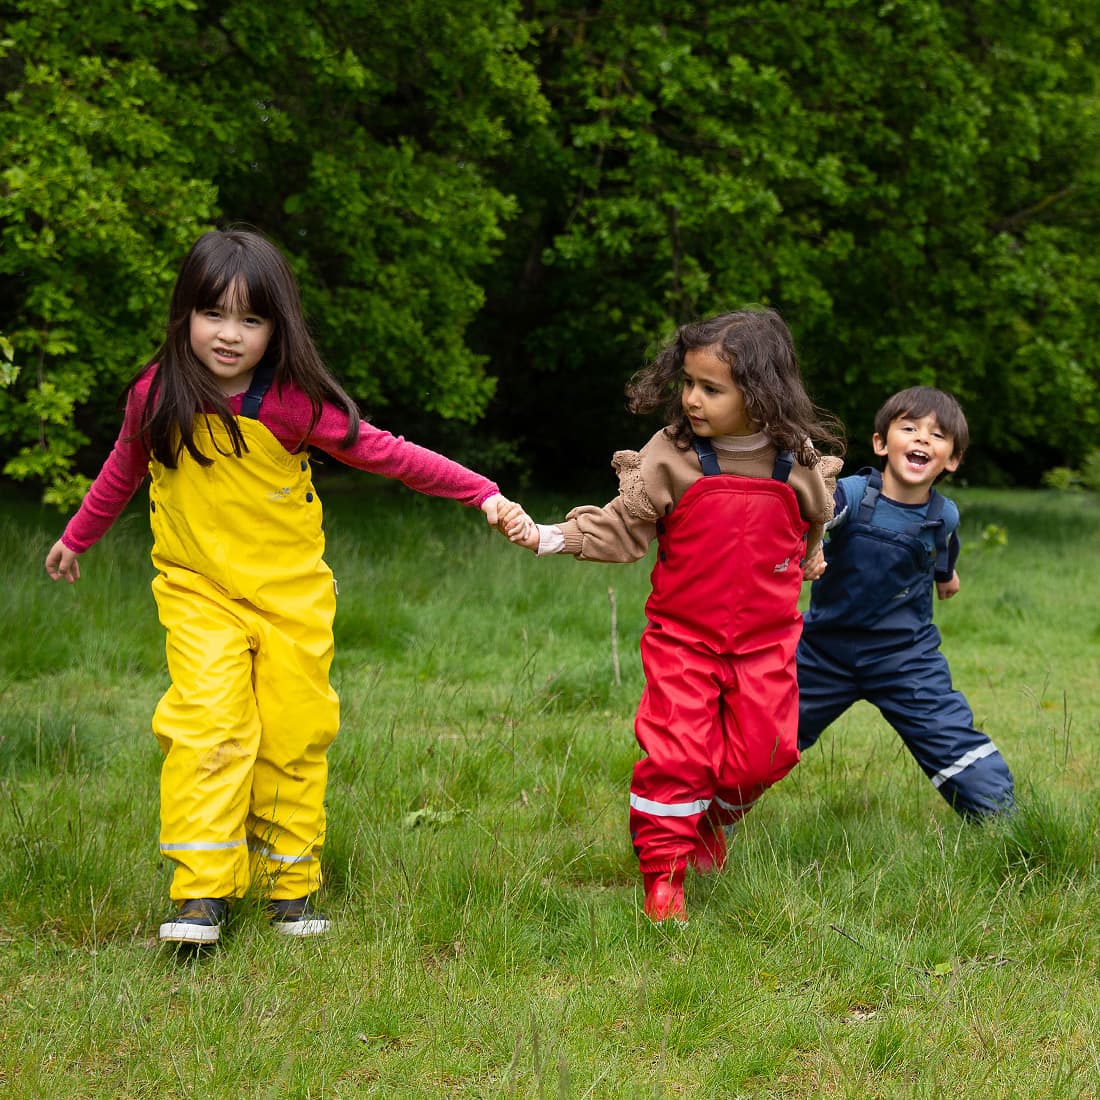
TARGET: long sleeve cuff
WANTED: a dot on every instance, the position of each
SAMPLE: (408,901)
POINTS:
(551,540)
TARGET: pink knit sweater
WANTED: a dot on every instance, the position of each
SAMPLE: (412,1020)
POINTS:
(286,413)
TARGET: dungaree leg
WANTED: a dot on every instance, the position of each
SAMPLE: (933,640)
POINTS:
(760,728)
(300,715)
(209,730)
(916,697)
(826,689)
(678,727)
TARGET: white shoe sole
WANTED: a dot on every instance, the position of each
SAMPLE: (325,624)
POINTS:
(312,927)
(182,932)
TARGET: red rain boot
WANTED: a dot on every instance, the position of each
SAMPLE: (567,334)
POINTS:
(709,856)
(664,895)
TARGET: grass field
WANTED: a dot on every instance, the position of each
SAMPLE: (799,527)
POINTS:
(862,941)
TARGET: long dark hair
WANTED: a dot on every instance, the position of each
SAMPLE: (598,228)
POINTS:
(758,348)
(244,264)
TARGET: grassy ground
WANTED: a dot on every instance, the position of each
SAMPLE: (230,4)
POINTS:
(488,941)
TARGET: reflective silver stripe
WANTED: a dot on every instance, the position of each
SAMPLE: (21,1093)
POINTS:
(669,809)
(735,808)
(988,749)
(267,853)
(200,846)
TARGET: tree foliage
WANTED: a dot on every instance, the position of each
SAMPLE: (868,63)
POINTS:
(913,185)
(495,211)
(133,126)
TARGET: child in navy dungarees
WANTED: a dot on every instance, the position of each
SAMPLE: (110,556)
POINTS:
(868,633)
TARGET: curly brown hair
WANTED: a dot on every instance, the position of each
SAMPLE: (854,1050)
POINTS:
(757,346)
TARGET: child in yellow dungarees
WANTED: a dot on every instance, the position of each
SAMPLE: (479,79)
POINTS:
(223,418)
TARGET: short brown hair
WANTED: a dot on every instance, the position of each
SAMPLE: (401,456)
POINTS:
(921,401)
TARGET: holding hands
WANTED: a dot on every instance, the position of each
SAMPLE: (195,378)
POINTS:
(516,525)
(814,566)
(511,520)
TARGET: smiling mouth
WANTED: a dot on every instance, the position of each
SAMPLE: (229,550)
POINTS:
(918,458)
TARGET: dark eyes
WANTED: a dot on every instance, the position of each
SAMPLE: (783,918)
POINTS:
(704,386)
(216,315)
(912,428)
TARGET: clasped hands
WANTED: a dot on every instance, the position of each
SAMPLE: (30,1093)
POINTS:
(511,521)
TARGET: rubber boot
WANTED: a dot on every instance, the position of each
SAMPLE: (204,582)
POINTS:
(709,856)
(664,895)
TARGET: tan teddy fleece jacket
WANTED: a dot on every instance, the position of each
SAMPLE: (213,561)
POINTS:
(653,479)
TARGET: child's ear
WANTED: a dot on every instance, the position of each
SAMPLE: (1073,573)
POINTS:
(879,445)
(952,464)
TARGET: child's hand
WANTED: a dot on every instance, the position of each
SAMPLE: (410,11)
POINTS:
(517,526)
(523,531)
(946,589)
(510,519)
(62,562)
(492,507)
(815,565)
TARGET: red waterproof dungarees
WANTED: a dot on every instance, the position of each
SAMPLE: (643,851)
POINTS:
(718,720)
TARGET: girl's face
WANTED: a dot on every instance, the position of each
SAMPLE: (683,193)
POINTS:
(230,341)
(711,399)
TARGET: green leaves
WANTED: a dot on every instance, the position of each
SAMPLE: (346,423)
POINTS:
(500,208)
(133,128)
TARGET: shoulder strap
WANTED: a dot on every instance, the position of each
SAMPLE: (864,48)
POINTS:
(781,471)
(870,493)
(707,458)
(784,463)
(261,383)
(934,519)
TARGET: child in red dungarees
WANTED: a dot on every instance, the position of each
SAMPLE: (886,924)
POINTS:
(734,493)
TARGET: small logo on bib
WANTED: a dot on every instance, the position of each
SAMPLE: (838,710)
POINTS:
(279,494)
(782,566)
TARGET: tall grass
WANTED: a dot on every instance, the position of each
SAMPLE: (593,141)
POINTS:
(862,942)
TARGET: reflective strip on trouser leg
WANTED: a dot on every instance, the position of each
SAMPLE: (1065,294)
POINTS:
(964,761)
(937,725)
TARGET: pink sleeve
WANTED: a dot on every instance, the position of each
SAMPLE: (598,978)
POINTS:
(375,451)
(117,481)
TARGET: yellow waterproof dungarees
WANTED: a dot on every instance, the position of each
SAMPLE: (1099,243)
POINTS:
(248,603)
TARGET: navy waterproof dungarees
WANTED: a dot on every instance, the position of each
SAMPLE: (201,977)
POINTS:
(718,719)
(869,635)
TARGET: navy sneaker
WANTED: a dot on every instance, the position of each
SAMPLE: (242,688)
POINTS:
(296,917)
(199,920)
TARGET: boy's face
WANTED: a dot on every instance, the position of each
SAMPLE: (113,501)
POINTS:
(917,451)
